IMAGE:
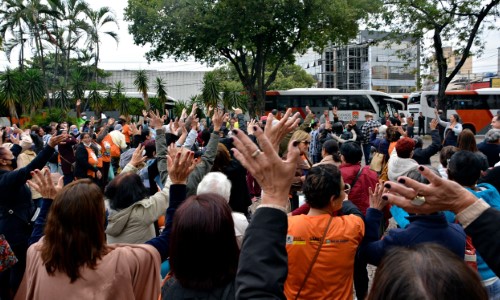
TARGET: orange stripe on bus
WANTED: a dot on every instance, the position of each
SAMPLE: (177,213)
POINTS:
(479,118)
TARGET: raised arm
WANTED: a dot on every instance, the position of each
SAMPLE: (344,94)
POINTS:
(263,265)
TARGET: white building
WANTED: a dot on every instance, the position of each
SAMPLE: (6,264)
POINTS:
(181,85)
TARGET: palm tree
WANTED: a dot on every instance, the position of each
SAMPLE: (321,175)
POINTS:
(123,103)
(33,89)
(78,84)
(13,21)
(74,11)
(141,82)
(211,89)
(62,97)
(98,19)
(9,91)
(161,89)
(95,99)
(232,96)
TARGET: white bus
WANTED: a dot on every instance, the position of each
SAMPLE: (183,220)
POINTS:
(351,104)
(475,108)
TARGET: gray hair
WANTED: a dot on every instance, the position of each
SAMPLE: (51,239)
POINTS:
(217,183)
(492,136)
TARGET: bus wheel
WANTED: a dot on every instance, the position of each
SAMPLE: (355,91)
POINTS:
(470,127)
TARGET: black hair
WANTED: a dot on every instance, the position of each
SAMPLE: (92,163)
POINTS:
(124,190)
(322,182)
(331,147)
(352,152)
(464,167)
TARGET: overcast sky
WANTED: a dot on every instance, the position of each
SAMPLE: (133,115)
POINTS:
(126,55)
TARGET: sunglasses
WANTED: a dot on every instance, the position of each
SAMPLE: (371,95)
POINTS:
(306,142)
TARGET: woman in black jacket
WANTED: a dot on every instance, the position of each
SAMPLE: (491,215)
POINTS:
(17,209)
(86,159)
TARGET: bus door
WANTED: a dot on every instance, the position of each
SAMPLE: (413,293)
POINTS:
(390,105)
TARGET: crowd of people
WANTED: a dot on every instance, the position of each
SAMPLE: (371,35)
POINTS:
(222,207)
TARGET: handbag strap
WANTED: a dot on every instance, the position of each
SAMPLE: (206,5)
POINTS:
(314,258)
(357,176)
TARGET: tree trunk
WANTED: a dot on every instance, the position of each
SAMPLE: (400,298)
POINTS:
(442,69)
(147,105)
(13,112)
(96,60)
(68,50)
(38,42)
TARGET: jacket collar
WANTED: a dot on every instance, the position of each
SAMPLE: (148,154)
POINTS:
(433,219)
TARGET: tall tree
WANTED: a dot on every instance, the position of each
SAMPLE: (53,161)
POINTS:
(74,12)
(457,22)
(99,19)
(141,83)
(252,35)
(9,90)
(122,101)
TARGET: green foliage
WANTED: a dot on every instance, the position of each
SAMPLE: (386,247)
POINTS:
(9,90)
(179,106)
(141,82)
(43,118)
(251,35)
(62,96)
(33,89)
(211,90)
(95,99)
(161,89)
(136,106)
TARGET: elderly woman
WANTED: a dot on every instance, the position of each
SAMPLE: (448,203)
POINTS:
(490,146)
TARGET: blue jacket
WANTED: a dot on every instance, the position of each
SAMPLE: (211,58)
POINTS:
(422,229)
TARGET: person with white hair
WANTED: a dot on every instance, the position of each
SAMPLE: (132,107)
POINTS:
(218,183)
(490,146)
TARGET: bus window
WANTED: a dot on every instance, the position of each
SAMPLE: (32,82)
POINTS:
(431,101)
(414,100)
(493,101)
(360,102)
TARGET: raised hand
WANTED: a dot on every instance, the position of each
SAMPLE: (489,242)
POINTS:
(434,123)
(180,166)
(277,132)
(328,124)
(308,110)
(376,200)
(58,139)
(250,126)
(137,157)
(272,173)
(134,129)
(238,111)
(41,181)
(111,121)
(78,102)
(217,119)
(440,194)
(155,120)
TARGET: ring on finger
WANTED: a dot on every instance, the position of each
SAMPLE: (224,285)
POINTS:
(418,200)
(256,153)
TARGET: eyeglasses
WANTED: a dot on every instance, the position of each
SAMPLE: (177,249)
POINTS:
(347,188)
(306,142)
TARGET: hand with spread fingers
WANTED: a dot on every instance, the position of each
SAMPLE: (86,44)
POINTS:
(41,181)
(376,200)
(180,166)
(58,139)
(217,119)
(272,173)
(440,194)
(137,157)
(156,121)
(276,133)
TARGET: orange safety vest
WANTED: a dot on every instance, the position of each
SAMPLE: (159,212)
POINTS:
(109,149)
(92,160)
(126,132)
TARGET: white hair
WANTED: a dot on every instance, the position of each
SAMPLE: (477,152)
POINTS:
(217,183)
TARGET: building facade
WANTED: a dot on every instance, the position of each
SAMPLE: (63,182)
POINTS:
(366,64)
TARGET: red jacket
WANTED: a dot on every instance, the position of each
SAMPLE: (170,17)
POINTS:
(359,194)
